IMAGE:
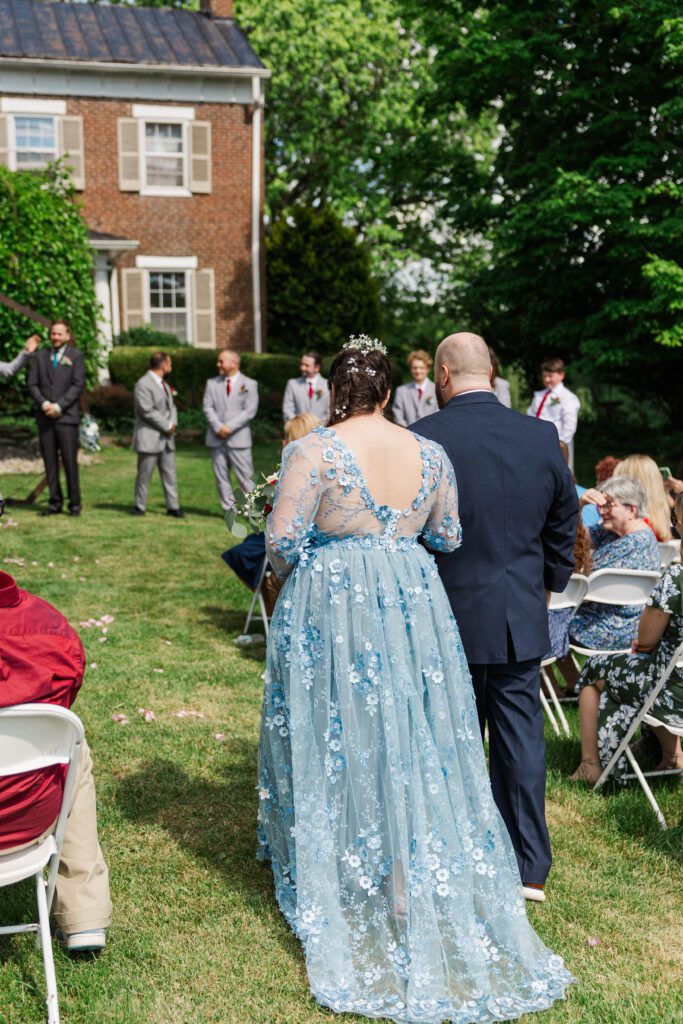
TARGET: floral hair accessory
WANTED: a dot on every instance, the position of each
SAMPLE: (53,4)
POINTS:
(364,343)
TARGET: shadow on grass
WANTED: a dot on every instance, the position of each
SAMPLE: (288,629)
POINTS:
(127,509)
(231,621)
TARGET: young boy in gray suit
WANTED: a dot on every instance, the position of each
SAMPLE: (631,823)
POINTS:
(230,404)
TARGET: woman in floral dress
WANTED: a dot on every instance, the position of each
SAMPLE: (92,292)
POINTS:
(391,862)
(614,687)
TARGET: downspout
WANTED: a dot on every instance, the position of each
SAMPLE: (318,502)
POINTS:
(257,100)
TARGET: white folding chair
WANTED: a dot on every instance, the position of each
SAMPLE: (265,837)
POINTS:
(35,736)
(669,551)
(642,716)
(624,587)
(571,597)
(257,599)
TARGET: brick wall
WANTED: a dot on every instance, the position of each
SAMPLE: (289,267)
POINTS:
(216,228)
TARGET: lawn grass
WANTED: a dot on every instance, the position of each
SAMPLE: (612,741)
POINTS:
(197,938)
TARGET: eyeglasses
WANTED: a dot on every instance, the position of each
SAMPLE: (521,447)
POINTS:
(609,505)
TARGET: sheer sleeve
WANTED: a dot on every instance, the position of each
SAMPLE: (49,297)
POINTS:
(442,531)
(295,504)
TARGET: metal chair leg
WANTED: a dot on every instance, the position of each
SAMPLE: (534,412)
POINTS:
(556,704)
(46,948)
(549,713)
(637,771)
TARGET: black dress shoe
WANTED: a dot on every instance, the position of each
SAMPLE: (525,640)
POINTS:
(50,512)
(177,513)
(137,511)
(74,511)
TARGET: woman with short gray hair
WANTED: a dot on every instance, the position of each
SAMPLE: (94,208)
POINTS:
(624,540)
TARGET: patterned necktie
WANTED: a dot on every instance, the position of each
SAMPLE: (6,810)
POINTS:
(227,387)
(310,391)
(543,401)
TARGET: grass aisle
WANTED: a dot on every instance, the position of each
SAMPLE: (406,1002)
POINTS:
(196,936)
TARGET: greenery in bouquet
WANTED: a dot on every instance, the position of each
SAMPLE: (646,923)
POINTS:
(252,508)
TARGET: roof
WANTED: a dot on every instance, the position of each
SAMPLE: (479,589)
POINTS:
(107,34)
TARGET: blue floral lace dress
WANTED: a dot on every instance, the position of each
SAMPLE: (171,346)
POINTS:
(391,862)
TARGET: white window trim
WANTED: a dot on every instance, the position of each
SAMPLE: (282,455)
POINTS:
(156,190)
(179,264)
(22,105)
(166,262)
(12,135)
(151,113)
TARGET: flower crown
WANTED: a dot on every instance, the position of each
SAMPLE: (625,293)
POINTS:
(364,343)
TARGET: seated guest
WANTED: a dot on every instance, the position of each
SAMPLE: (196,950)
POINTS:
(623,541)
(246,558)
(646,471)
(501,387)
(417,399)
(42,661)
(614,687)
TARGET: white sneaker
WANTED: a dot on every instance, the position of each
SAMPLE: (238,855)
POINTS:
(530,893)
(83,942)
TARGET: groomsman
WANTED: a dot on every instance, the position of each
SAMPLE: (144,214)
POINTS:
(230,404)
(307,393)
(55,383)
(417,399)
(557,404)
(9,369)
(156,420)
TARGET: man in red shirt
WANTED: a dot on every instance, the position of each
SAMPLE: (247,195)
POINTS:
(42,661)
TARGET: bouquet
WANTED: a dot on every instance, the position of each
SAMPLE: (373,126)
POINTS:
(252,508)
(89,433)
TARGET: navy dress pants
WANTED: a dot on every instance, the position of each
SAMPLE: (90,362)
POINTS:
(508,701)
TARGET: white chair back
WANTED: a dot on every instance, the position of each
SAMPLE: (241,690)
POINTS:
(35,736)
(623,587)
(669,551)
(572,595)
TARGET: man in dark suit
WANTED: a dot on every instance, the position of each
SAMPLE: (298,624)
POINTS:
(55,383)
(518,510)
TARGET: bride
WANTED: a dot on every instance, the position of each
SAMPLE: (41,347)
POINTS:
(391,862)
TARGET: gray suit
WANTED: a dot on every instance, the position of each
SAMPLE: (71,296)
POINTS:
(296,399)
(235,411)
(9,369)
(155,414)
(408,407)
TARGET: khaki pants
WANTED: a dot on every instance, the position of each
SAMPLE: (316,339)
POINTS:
(81,901)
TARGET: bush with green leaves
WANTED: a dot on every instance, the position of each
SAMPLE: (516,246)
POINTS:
(320,287)
(45,264)
(148,336)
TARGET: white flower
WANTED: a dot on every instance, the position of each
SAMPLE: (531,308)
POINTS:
(365,882)
(443,889)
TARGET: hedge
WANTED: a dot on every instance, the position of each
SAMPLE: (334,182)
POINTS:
(192,367)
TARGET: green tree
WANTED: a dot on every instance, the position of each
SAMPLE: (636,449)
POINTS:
(320,287)
(45,261)
(581,206)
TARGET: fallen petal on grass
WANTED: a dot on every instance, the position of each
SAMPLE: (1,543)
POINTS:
(103,639)
(220,736)
(120,719)
(159,671)
(147,714)
(593,941)
(188,714)
(107,618)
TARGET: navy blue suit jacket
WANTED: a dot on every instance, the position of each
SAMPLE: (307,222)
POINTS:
(518,509)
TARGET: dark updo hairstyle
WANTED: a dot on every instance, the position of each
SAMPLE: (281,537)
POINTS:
(360,381)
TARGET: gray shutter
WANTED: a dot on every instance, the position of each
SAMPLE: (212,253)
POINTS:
(203,308)
(4,140)
(133,298)
(71,147)
(200,156)
(129,154)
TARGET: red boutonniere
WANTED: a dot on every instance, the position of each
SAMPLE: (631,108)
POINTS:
(174,393)
(554,400)
(429,399)
(319,393)
(244,389)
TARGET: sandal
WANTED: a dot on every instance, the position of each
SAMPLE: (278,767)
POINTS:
(584,774)
(674,762)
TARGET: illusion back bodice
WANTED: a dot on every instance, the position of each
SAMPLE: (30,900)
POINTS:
(322,495)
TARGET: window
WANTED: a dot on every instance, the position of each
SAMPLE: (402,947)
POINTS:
(168,303)
(35,142)
(164,155)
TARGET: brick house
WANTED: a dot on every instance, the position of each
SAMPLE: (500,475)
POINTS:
(159,113)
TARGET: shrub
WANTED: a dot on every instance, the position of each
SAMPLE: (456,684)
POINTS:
(148,336)
(320,288)
(111,405)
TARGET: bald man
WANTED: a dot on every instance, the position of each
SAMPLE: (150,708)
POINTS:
(518,510)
